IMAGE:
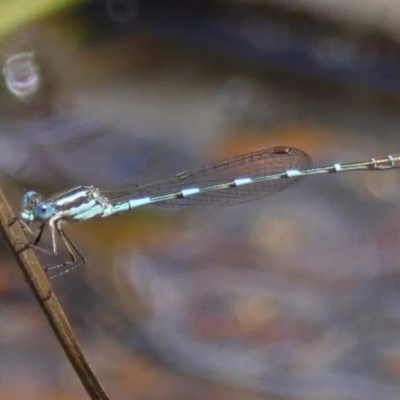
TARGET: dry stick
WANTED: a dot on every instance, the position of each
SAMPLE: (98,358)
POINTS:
(40,285)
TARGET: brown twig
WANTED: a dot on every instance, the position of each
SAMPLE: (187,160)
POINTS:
(40,285)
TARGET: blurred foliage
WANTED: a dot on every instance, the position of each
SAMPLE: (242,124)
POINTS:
(15,14)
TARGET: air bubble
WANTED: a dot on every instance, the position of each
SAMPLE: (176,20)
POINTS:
(122,11)
(21,74)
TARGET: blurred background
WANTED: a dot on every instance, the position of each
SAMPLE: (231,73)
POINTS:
(291,297)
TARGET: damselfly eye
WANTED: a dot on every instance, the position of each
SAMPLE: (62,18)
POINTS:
(30,197)
(44,210)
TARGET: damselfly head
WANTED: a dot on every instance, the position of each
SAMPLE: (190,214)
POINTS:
(43,211)
(29,202)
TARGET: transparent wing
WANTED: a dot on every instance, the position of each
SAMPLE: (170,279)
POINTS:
(252,165)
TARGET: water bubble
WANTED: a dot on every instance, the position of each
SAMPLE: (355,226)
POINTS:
(122,11)
(21,74)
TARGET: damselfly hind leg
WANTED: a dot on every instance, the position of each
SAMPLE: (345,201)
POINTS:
(77,259)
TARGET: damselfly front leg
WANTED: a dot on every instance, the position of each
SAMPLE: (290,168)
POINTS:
(56,231)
